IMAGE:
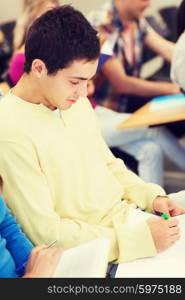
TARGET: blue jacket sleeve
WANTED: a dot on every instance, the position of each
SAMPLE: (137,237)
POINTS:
(16,241)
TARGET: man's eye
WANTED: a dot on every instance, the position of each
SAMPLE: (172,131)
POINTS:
(74,82)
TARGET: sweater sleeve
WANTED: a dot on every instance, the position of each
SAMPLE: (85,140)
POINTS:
(16,241)
(135,190)
(27,193)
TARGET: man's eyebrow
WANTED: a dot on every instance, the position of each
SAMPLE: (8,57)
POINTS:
(79,78)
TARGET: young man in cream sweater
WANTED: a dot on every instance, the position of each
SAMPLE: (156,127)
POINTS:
(59,177)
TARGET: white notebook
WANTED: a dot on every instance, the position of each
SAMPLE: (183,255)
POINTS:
(89,260)
(167,102)
(168,263)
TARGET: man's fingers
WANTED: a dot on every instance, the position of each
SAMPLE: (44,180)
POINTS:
(172,222)
(174,238)
(37,249)
(175,230)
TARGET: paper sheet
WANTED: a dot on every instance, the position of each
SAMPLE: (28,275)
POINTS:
(168,263)
(88,260)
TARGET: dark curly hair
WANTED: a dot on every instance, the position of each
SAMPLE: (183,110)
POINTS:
(59,37)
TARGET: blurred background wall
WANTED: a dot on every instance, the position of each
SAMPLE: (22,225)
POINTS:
(10,9)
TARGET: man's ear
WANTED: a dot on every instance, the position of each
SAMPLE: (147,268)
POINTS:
(39,68)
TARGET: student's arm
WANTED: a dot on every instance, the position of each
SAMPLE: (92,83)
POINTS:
(40,261)
(122,83)
(158,44)
(135,191)
(16,241)
(146,196)
(28,194)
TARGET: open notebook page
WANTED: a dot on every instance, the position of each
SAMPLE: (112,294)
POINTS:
(168,263)
(88,260)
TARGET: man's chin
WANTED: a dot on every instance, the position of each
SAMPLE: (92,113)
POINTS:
(66,106)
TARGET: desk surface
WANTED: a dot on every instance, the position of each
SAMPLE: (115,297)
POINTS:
(144,116)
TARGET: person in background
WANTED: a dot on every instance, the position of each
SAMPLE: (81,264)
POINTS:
(124,32)
(180,20)
(147,145)
(16,250)
(178,71)
(64,183)
(32,9)
(5,53)
(178,61)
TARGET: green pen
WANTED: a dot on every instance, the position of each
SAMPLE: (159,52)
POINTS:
(165,216)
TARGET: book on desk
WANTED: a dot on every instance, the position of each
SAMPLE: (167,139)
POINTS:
(169,101)
(160,110)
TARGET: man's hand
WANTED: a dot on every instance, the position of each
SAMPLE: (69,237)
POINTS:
(164,232)
(42,262)
(163,204)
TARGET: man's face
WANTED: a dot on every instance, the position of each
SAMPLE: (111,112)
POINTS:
(63,89)
(136,8)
